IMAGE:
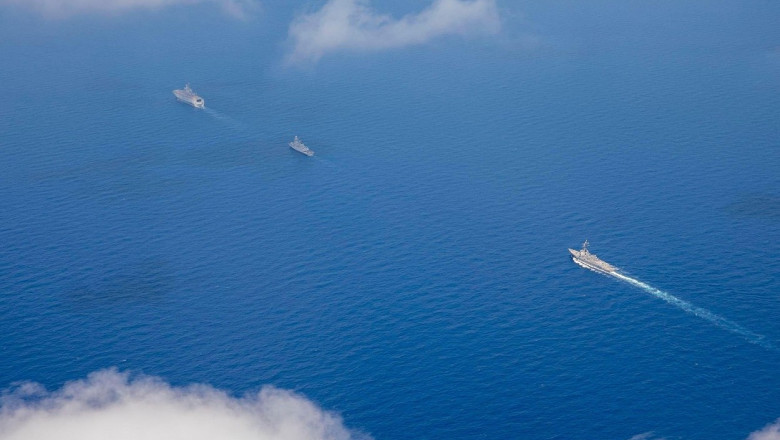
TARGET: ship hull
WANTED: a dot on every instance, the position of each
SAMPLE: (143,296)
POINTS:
(306,152)
(298,146)
(592,267)
(195,101)
(603,267)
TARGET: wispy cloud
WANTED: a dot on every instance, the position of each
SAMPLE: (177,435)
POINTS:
(769,432)
(69,8)
(111,405)
(342,25)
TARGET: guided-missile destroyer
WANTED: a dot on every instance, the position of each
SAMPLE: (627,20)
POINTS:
(298,146)
(186,95)
(590,261)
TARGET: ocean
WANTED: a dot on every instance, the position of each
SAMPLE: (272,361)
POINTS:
(412,276)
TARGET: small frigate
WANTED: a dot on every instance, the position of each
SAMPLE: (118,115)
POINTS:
(186,95)
(590,261)
(298,146)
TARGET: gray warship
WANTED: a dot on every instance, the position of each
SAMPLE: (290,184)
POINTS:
(590,261)
(298,146)
(186,95)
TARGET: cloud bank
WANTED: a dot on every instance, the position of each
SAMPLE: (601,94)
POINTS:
(112,405)
(342,25)
(69,8)
(769,432)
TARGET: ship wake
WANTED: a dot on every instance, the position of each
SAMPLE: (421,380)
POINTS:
(225,119)
(719,321)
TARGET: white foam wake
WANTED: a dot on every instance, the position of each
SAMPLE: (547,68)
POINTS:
(753,338)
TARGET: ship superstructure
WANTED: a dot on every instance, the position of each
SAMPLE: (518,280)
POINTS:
(188,96)
(590,261)
(298,146)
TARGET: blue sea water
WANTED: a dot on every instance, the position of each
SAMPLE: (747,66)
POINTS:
(413,275)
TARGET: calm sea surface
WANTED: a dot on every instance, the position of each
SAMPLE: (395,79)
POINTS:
(413,275)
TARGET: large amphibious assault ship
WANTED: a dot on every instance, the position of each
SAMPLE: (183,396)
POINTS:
(298,146)
(188,96)
(590,261)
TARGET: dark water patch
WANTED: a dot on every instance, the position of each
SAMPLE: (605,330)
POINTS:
(765,206)
(144,283)
(133,175)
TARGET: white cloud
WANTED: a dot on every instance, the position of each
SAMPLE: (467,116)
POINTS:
(353,25)
(111,405)
(68,8)
(769,432)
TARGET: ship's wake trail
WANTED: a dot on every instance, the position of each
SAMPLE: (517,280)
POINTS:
(753,338)
(232,123)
